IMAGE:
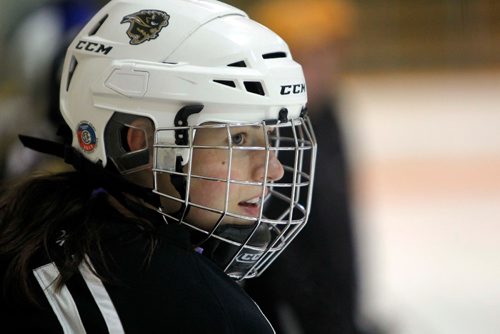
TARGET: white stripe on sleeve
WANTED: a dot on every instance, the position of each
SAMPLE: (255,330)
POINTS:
(102,298)
(61,301)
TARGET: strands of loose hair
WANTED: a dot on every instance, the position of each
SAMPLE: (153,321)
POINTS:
(33,214)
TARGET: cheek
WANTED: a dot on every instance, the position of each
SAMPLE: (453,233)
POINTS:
(210,194)
(214,164)
(213,193)
(205,192)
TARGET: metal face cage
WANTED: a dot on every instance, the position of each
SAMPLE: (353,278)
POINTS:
(244,190)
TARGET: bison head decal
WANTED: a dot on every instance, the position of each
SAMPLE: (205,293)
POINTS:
(145,25)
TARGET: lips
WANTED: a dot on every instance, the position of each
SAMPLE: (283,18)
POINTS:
(251,206)
(252,201)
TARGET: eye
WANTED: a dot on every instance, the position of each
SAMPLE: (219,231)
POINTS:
(239,138)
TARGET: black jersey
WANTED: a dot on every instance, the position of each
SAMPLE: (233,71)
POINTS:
(178,291)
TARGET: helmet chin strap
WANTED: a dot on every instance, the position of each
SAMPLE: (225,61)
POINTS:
(97,175)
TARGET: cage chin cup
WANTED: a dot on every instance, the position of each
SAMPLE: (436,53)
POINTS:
(228,256)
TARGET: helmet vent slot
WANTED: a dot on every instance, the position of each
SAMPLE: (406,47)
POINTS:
(98,25)
(240,63)
(254,87)
(273,55)
(226,83)
(71,70)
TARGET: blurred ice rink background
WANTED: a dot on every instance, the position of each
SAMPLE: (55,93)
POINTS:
(425,151)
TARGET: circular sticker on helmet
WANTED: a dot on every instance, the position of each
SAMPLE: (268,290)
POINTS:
(86,136)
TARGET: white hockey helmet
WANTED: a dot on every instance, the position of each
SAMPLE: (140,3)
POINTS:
(186,65)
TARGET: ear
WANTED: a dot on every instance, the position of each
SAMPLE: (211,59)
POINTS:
(137,135)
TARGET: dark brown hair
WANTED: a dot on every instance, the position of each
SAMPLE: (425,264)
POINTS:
(33,214)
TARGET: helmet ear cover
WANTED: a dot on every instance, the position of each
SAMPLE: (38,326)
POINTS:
(128,140)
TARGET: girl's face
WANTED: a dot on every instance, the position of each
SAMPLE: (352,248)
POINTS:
(246,165)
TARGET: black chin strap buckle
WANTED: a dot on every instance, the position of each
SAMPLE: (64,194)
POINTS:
(283,115)
(181,135)
(182,138)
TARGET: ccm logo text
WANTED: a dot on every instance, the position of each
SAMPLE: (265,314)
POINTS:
(248,257)
(293,89)
(94,47)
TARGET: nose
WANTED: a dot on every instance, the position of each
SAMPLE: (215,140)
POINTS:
(275,169)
